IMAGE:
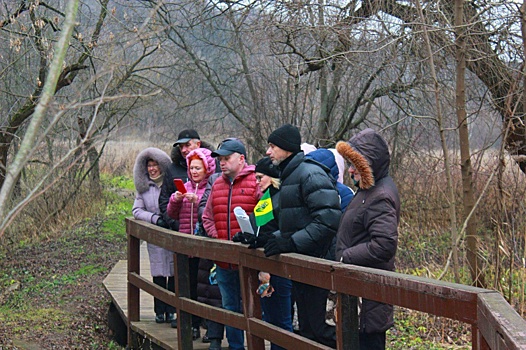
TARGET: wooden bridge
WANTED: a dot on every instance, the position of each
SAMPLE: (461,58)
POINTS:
(494,323)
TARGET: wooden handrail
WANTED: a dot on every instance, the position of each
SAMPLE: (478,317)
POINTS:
(495,324)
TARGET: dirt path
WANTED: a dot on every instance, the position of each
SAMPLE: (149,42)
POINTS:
(51,293)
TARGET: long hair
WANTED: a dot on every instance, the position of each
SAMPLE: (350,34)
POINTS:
(275,182)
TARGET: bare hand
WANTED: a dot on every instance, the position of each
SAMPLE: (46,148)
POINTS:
(191,197)
(176,196)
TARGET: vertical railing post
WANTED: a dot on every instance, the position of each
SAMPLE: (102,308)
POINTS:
(251,304)
(477,340)
(182,290)
(347,323)
(133,291)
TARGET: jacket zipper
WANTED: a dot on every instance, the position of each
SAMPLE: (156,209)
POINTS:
(228,214)
(192,229)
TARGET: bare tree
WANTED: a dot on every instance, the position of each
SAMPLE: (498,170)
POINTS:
(31,135)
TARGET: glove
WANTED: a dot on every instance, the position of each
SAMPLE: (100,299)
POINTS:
(244,237)
(161,223)
(278,245)
(261,240)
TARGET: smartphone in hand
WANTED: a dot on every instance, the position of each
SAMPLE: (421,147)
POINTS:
(179,184)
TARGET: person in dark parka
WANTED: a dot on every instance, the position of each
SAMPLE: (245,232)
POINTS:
(309,196)
(368,231)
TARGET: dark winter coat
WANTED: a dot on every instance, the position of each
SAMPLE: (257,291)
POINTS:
(176,170)
(207,293)
(146,206)
(326,157)
(309,206)
(368,232)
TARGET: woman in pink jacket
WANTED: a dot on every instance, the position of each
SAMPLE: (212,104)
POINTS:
(183,207)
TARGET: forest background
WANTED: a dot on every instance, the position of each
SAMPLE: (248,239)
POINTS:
(87,83)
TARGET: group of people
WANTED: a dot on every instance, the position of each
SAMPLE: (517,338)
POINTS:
(297,203)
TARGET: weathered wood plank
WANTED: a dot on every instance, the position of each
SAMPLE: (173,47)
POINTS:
(160,334)
(501,326)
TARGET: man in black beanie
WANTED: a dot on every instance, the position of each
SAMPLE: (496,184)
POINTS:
(310,197)
(286,137)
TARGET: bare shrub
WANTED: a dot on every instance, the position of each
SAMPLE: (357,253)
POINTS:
(424,241)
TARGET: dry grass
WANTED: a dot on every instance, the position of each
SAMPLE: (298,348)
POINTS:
(119,156)
(500,218)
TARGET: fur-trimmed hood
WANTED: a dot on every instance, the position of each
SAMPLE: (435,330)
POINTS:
(141,179)
(206,156)
(369,153)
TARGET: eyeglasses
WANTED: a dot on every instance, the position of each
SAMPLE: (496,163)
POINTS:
(259,177)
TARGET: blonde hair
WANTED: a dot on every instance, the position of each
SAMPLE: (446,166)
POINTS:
(275,182)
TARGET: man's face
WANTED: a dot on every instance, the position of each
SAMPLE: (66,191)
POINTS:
(276,154)
(232,164)
(189,146)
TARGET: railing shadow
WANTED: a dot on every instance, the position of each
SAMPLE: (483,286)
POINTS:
(495,324)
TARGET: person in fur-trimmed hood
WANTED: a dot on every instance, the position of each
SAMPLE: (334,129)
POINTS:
(149,170)
(368,231)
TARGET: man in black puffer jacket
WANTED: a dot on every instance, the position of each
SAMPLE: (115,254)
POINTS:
(308,220)
(368,232)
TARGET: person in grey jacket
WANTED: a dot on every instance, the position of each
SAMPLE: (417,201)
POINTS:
(148,172)
(309,195)
(368,232)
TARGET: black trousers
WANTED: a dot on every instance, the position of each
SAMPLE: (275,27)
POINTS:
(372,341)
(193,270)
(312,308)
(159,306)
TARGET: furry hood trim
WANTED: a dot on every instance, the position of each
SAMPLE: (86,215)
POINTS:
(140,169)
(359,161)
(369,153)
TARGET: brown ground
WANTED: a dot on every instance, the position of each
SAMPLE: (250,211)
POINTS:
(51,293)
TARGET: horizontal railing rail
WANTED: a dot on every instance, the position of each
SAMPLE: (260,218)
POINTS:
(495,324)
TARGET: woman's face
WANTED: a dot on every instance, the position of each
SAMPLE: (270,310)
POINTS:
(197,170)
(264,181)
(153,169)
(355,175)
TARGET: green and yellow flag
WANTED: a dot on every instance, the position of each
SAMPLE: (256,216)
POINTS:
(263,211)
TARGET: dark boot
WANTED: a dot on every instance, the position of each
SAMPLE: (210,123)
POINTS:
(196,334)
(159,318)
(205,338)
(215,344)
(170,317)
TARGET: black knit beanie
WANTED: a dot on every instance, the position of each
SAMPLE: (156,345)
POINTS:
(265,166)
(286,137)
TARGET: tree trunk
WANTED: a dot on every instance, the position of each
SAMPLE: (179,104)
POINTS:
(468,199)
(445,149)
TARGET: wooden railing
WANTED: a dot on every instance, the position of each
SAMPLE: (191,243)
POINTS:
(495,324)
